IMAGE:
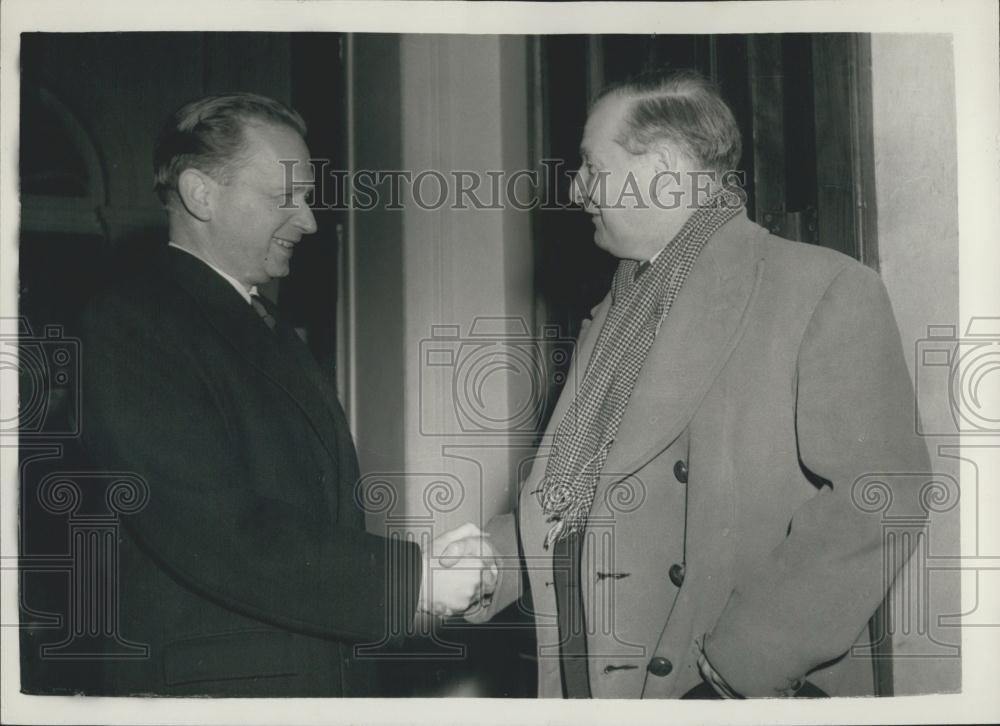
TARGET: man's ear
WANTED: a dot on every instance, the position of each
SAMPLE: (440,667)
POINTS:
(665,158)
(197,192)
(666,164)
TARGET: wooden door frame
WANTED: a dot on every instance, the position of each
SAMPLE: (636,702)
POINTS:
(845,160)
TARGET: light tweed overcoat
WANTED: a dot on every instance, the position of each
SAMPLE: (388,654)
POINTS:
(731,508)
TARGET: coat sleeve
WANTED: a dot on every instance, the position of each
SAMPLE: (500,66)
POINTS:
(148,410)
(810,599)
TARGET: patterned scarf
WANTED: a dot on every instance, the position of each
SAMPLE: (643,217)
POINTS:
(639,306)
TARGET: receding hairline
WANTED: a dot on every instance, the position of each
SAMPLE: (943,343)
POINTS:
(631,98)
(583,148)
(249,128)
(690,91)
(182,145)
(252,129)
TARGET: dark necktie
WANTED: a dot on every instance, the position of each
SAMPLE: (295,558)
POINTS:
(265,308)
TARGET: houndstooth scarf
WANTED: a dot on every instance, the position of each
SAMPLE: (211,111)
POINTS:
(638,308)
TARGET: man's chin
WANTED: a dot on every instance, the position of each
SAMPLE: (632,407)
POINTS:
(624,249)
(275,272)
(277,264)
(605,242)
(600,236)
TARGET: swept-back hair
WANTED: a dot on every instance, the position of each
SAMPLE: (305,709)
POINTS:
(209,134)
(683,109)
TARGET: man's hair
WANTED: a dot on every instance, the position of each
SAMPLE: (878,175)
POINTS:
(209,134)
(683,109)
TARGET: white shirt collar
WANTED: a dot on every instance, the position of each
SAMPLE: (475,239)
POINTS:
(237,285)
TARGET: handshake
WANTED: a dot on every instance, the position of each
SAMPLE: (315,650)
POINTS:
(459,571)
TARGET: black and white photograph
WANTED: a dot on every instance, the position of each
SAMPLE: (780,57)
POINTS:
(452,362)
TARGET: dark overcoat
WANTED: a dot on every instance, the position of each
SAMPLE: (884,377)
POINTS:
(248,572)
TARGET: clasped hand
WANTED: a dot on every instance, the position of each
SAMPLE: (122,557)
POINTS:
(459,571)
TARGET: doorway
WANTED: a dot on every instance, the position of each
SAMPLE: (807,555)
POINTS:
(803,105)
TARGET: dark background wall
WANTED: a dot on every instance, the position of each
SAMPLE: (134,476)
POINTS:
(115,90)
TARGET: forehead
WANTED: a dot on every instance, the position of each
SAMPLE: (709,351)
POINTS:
(603,124)
(271,149)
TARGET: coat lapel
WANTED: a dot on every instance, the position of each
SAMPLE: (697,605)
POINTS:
(689,352)
(691,348)
(245,331)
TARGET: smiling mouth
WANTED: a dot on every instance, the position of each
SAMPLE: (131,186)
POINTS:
(284,243)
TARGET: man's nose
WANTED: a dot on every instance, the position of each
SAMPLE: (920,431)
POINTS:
(305,220)
(577,191)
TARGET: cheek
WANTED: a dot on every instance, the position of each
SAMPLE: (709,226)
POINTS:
(280,220)
(628,225)
(238,213)
(624,193)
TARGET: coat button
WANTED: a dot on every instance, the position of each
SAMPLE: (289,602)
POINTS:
(660,666)
(681,472)
(677,574)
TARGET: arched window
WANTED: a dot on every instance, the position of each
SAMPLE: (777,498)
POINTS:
(62,179)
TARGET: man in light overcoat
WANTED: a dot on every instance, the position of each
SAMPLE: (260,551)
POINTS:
(692,524)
